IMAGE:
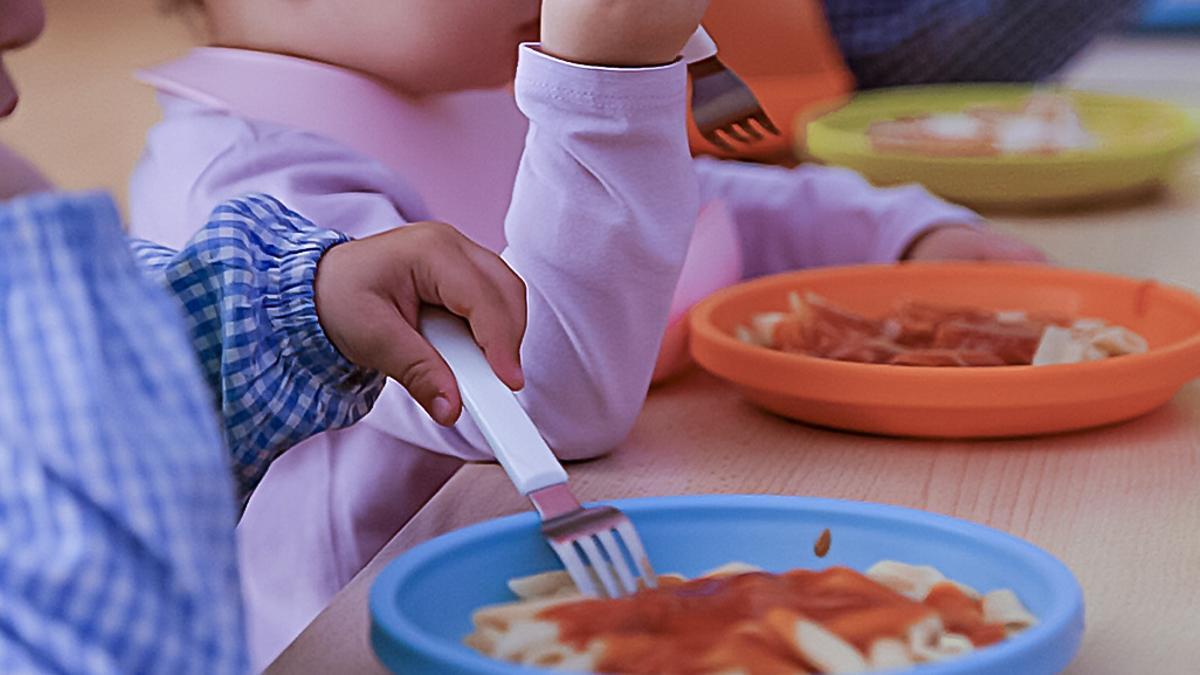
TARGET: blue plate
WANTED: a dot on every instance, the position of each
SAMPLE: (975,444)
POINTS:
(421,603)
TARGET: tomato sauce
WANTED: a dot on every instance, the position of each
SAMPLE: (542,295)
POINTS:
(712,624)
(916,334)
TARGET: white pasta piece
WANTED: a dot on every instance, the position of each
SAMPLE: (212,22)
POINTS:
(1059,345)
(502,616)
(731,569)
(556,655)
(542,585)
(825,650)
(1003,607)
(764,326)
(795,303)
(889,653)
(744,334)
(912,581)
(1012,316)
(1116,341)
(953,644)
(524,637)
(1086,340)
(582,662)
(483,639)
(924,636)
(960,126)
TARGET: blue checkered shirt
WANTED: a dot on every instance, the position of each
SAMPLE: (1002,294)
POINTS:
(116,505)
(896,42)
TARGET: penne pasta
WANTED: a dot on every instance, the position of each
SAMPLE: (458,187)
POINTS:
(543,585)
(826,650)
(888,653)
(913,581)
(921,334)
(737,618)
(1003,607)
(732,568)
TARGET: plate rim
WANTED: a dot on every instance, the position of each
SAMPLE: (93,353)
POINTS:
(831,142)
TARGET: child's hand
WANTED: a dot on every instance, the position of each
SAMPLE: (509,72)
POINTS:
(619,32)
(369,293)
(965,243)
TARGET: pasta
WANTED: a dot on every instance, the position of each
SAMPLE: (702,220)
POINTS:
(739,619)
(920,334)
(1046,124)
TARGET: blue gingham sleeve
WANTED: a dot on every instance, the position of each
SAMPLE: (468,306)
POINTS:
(245,282)
(117,552)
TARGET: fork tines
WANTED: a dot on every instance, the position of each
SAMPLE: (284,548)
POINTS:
(598,534)
(723,104)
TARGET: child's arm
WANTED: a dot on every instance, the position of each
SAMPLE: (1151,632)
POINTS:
(295,326)
(603,209)
(600,221)
(602,213)
(814,216)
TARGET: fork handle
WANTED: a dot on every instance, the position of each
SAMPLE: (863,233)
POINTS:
(516,443)
(699,47)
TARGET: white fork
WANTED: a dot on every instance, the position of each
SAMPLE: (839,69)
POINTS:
(570,528)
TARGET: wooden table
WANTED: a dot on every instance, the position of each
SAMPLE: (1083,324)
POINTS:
(1121,505)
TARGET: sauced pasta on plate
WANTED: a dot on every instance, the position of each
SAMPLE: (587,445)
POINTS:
(922,334)
(1046,124)
(740,619)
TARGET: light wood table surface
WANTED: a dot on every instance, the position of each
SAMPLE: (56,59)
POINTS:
(1120,506)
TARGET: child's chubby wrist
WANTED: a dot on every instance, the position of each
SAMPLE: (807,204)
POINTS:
(619,33)
(293,310)
(567,61)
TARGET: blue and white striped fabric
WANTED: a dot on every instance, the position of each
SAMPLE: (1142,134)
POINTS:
(896,42)
(116,505)
(246,284)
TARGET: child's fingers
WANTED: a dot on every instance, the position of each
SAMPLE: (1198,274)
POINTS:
(1018,251)
(501,328)
(498,332)
(409,359)
(496,326)
(478,286)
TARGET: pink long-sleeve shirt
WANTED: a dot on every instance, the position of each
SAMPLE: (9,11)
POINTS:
(602,211)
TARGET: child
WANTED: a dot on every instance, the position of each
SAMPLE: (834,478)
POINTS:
(366,119)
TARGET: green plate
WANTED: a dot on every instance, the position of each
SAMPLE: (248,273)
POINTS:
(1140,143)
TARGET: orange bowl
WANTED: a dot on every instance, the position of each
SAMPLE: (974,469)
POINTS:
(957,402)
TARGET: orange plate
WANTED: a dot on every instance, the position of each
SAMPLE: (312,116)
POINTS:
(957,402)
